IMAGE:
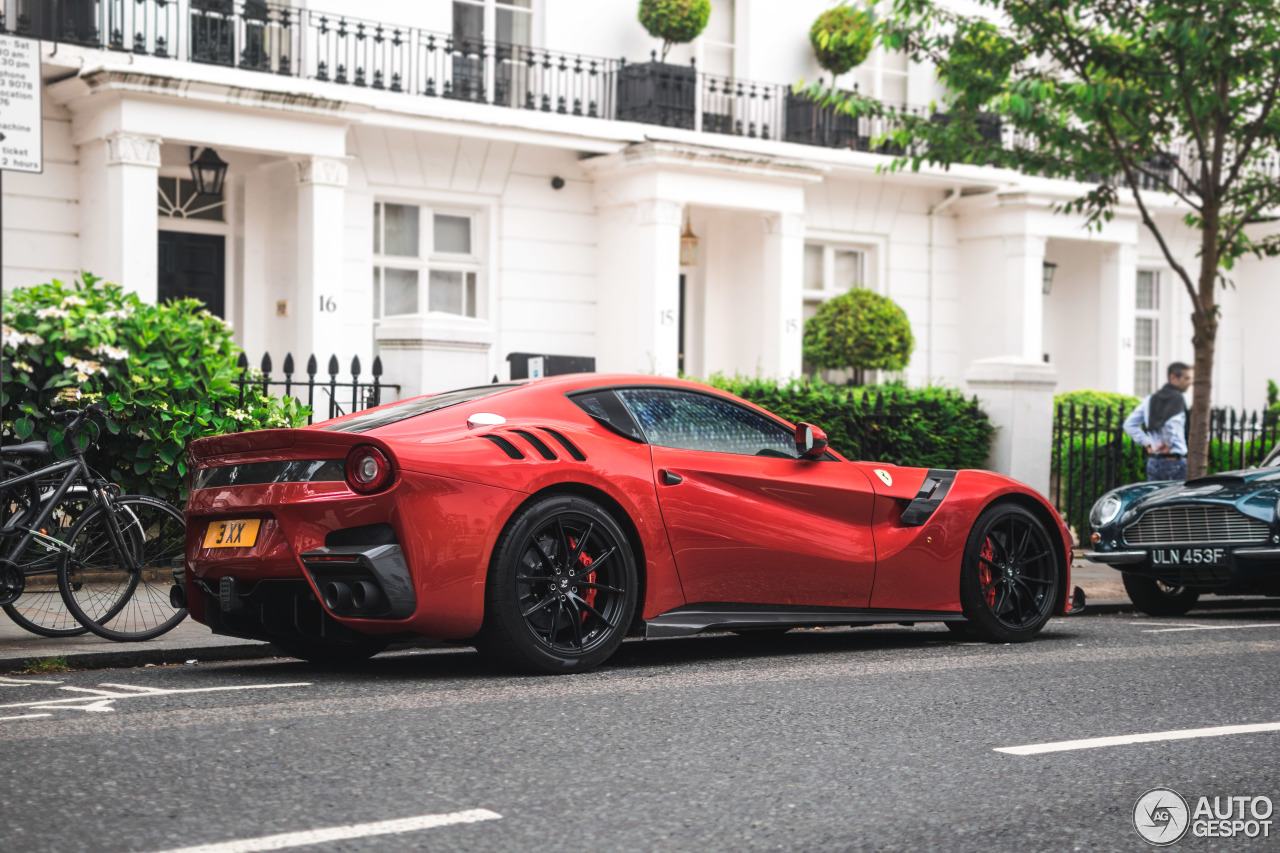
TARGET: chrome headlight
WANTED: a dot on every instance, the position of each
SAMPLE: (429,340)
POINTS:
(1105,511)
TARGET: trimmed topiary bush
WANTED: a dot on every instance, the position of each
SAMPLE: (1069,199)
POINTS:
(930,427)
(164,372)
(861,330)
(842,38)
(674,21)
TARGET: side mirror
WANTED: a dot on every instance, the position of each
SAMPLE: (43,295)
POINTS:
(811,442)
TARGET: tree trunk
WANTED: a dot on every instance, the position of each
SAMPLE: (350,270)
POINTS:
(1205,336)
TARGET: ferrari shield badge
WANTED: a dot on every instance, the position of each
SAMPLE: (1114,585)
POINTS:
(884,476)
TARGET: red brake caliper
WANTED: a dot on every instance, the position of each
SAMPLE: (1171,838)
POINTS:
(984,571)
(590,595)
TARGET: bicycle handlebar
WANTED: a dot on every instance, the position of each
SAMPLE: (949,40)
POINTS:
(78,417)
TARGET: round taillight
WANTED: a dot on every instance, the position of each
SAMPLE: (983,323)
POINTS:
(368,470)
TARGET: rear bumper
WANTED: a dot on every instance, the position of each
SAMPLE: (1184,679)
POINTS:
(430,583)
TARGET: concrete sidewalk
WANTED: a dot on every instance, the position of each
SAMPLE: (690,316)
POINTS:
(193,641)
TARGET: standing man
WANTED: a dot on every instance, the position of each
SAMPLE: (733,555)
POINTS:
(1164,416)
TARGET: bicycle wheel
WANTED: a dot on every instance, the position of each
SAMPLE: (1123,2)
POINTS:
(40,609)
(100,588)
(16,505)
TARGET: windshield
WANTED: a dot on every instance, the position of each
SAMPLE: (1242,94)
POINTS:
(417,406)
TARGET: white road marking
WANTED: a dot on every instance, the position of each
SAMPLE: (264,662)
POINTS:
(100,700)
(1148,737)
(6,681)
(1211,628)
(340,833)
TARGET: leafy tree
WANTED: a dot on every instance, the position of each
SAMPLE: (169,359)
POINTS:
(842,37)
(861,330)
(165,373)
(1132,97)
(674,21)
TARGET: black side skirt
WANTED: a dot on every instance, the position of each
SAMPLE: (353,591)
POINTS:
(696,618)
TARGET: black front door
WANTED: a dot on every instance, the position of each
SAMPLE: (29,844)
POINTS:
(192,266)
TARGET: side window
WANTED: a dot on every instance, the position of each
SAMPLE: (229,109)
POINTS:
(606,408)
(689,421)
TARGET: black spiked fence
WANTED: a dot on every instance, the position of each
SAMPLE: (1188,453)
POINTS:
(1091,454)
(326,398)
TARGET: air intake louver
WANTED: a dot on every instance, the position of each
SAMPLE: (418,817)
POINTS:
(538,444)
(566,443)
(507,447)
(1191,525)
(543,448)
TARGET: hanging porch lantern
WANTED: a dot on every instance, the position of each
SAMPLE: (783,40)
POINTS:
(208,171)
(688,246)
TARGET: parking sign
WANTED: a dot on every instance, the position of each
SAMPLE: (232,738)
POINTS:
(21,145)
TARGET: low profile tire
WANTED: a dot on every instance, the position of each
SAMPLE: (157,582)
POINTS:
(1009,578)
(561,589)
(1156,598)
(330,652)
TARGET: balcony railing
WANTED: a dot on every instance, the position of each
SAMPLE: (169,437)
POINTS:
(276,38)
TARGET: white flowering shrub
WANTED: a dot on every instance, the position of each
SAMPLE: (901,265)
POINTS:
(166,374)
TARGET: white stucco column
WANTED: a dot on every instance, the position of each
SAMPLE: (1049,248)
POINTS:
(1117,293)
(118,210)
(1017,395)
(783,268)
(1024,290)
(321,304)
(639,298)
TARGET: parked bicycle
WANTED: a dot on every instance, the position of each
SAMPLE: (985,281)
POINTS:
(115,560)
(40,609)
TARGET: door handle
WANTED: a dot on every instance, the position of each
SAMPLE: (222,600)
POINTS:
(669,479)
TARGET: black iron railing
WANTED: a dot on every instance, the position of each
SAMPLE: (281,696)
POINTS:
(278,38)
(327,398)
(1091,454)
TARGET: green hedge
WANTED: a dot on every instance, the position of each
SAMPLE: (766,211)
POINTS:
(927,427)
(164,372)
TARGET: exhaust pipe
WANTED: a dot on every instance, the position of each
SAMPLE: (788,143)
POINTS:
(177,597)
(366,596)
(337,596)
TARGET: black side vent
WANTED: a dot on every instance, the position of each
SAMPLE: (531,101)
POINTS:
(566,444)
(538,444)
(507,447)
(368,535)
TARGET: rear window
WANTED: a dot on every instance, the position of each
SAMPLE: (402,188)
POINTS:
(418,406)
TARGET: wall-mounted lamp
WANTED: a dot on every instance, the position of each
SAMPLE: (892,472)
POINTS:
(688,246)
(208,171)
(1046,281)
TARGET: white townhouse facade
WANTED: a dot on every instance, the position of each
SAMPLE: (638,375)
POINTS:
(445,182)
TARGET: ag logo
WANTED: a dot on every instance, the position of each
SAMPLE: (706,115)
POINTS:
(884,476)
(1161,816)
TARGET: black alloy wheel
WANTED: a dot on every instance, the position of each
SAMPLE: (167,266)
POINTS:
(1009,579)
(561,589)
(1157,598)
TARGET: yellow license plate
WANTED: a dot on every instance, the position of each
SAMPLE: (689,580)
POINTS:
(235,533)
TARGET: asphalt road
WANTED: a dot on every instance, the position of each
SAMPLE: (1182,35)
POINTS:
(876,738)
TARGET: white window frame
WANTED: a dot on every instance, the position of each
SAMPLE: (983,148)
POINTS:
(428,259)
(1152,314)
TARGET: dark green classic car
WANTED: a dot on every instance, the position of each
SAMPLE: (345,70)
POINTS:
(1175,541)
